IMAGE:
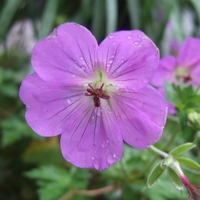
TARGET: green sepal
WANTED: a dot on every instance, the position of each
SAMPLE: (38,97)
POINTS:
(182,148)
(154,175)
(189,164)
(175,179)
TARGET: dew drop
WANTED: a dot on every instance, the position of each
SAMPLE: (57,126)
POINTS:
(136,44)
(105,144)
(111,158)
(111,36)
(113,55)
(69,101)
(93,119)
(96,165)
(83,67)
(81,58)
(110,61)
(129,37)
(114,43)
(108,65)
(93,158)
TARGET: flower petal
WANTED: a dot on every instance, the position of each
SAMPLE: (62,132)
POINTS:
(129,57)
(142,115)
(94,141)
(67,56)
(189,54)
(48,105)
(165,71)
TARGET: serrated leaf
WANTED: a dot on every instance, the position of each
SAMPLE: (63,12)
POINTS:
(154,175)
(182,148)
(50,173)
(175,179)
(189,164)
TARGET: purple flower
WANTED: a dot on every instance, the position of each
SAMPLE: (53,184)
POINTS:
(95,97)
(184,68)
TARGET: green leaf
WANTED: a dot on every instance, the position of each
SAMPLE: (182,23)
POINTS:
(154,175)
(98,20)
(7,14)
(49,173)
(197,7)
(54,181)
(175,179)
(111,14)
(171,94)
(182,148)
(189,164)
(134,11)
(48,18)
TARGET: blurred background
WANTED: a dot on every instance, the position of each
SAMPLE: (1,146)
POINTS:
(31,167)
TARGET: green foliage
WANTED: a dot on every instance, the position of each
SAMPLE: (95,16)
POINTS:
(182,148)
(185,98)
(48,18)
(31,163)
(155,174)
(190,164)
(163,190)
(7,13)
(54,181)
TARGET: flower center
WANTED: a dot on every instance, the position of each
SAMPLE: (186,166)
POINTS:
(97,93)
(183,73)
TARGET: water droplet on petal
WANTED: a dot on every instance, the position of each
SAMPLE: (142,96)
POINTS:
(93,119)
(83,67)
(110,61)
(93,158)
(129,37)
(114,43)
(96,165)
(111,36)
(112,56)
(69,101)
(81,58)
(105,144)
(111,158)
(98,112)
(108,65)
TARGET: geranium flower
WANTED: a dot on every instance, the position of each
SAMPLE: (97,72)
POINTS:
(182,69)
(95,97)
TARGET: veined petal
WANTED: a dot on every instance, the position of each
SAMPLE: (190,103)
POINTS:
(67,56)
(129,58)
(189,54)
(142,115)
(48,106)
(94,141)
(166,71)
(195,74)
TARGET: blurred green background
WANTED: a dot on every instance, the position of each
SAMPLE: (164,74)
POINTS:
(31,167)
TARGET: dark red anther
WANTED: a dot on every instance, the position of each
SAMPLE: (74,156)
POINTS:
(97,93)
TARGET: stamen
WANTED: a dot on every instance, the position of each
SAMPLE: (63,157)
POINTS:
(97,93)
